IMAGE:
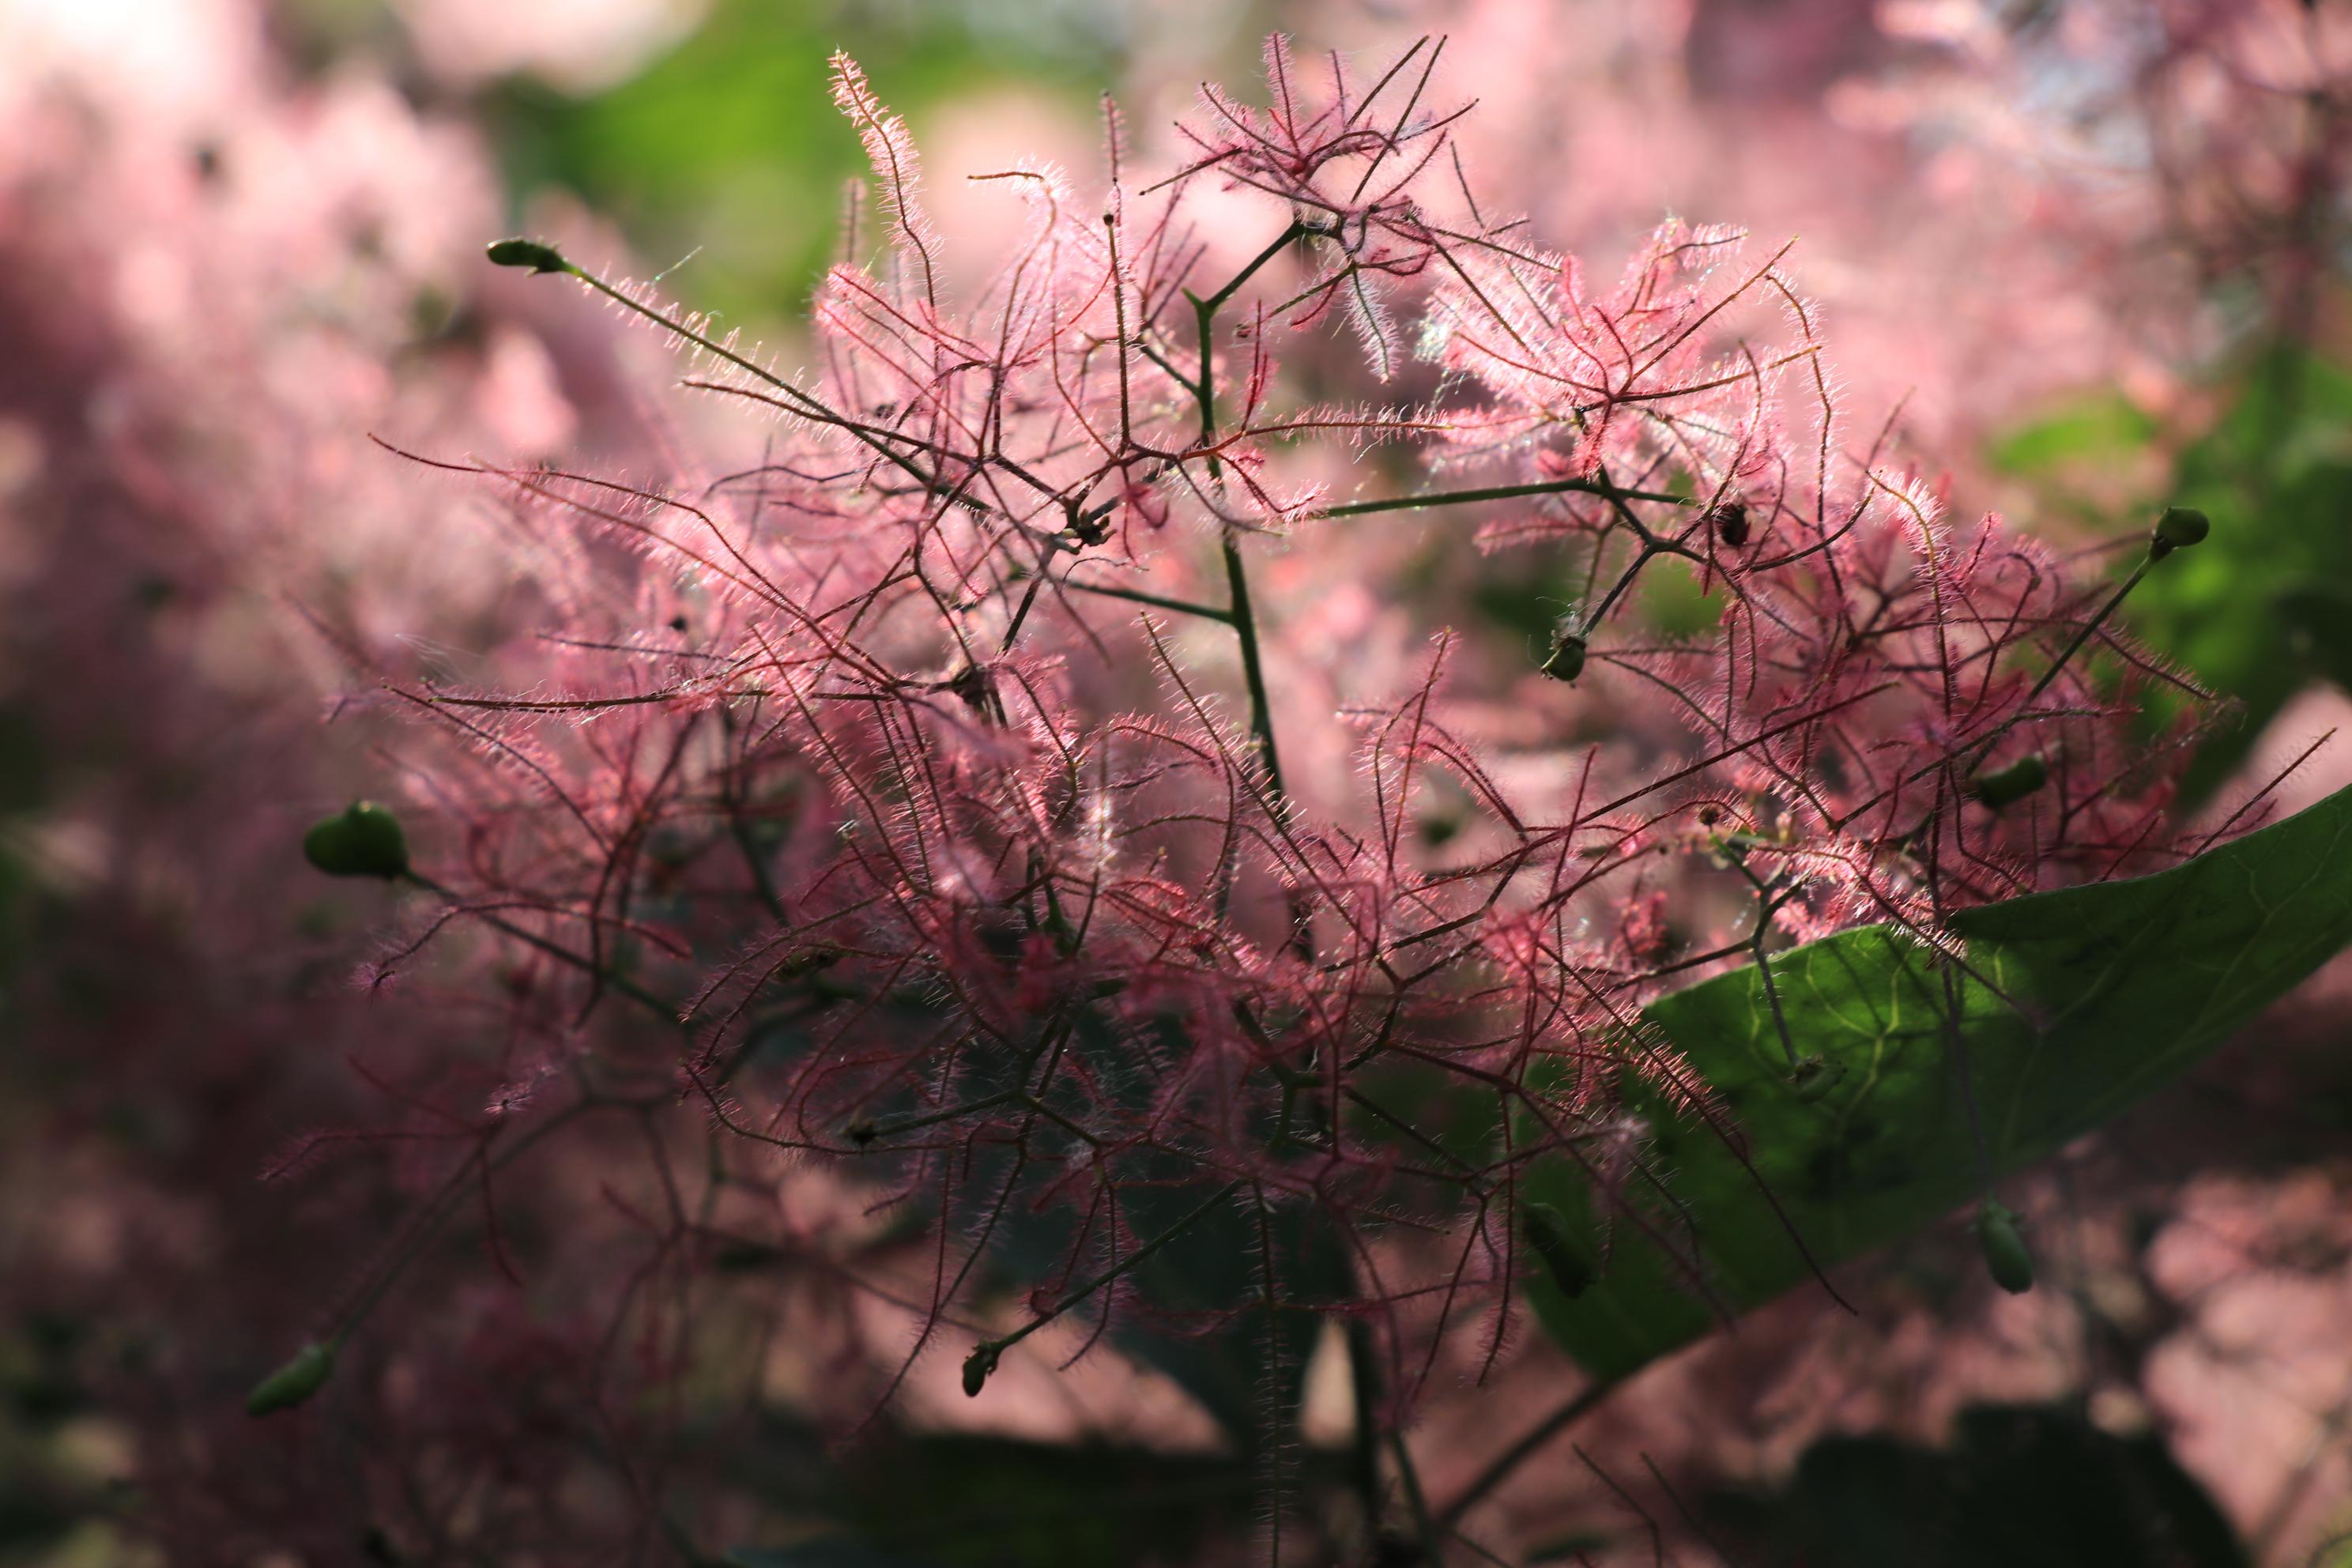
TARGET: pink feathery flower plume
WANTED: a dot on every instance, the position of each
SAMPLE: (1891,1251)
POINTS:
(906,794)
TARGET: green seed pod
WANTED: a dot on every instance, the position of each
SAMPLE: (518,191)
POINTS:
(1549,1236)
(534,254)
(977,1366)
(361,840)
(290,1384)
(2004,1249)
(2179,528)
(1566,661)
(1812,1077)
(2006,786)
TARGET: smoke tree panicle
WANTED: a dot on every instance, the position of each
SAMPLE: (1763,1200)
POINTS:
(864,793)
(972,859)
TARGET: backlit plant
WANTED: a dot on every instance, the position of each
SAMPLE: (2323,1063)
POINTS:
(906,797)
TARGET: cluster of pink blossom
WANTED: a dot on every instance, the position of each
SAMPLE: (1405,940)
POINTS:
(216,277)
(868,900)
(2003,204)
(911,792)
(2003,208)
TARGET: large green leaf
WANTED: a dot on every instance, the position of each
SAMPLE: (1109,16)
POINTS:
(2121,985)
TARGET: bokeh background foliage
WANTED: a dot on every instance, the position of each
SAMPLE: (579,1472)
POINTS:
(719,143)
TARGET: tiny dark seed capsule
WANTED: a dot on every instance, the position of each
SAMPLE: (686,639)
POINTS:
(361,840)
(976,1368)
(302,1376)
(677,623)
(863,1132)
(2005,1252)
(534,254)
(1709,815)
(1731,524)
(1566,661)
(976,686)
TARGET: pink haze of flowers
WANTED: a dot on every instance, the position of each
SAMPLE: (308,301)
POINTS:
(1011,790)
(874,773)
(2002,205)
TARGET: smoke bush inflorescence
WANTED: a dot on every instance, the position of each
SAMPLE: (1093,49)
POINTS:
(935,799)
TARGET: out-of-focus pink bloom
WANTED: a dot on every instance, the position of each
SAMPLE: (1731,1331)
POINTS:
(579,47)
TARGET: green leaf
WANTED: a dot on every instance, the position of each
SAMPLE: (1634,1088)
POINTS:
(2125,985)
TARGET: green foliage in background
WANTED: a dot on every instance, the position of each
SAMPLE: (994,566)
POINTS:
(2264,607)
(731,141)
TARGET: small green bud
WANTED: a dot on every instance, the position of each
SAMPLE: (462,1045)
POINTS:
(1550,1238)
(361,840)
(2179,528)
(1566,661)
(978,1366)
(537,255)
(823,956)
(2007,786)
(1812,1077)
(2004,1249)
(290,1384)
